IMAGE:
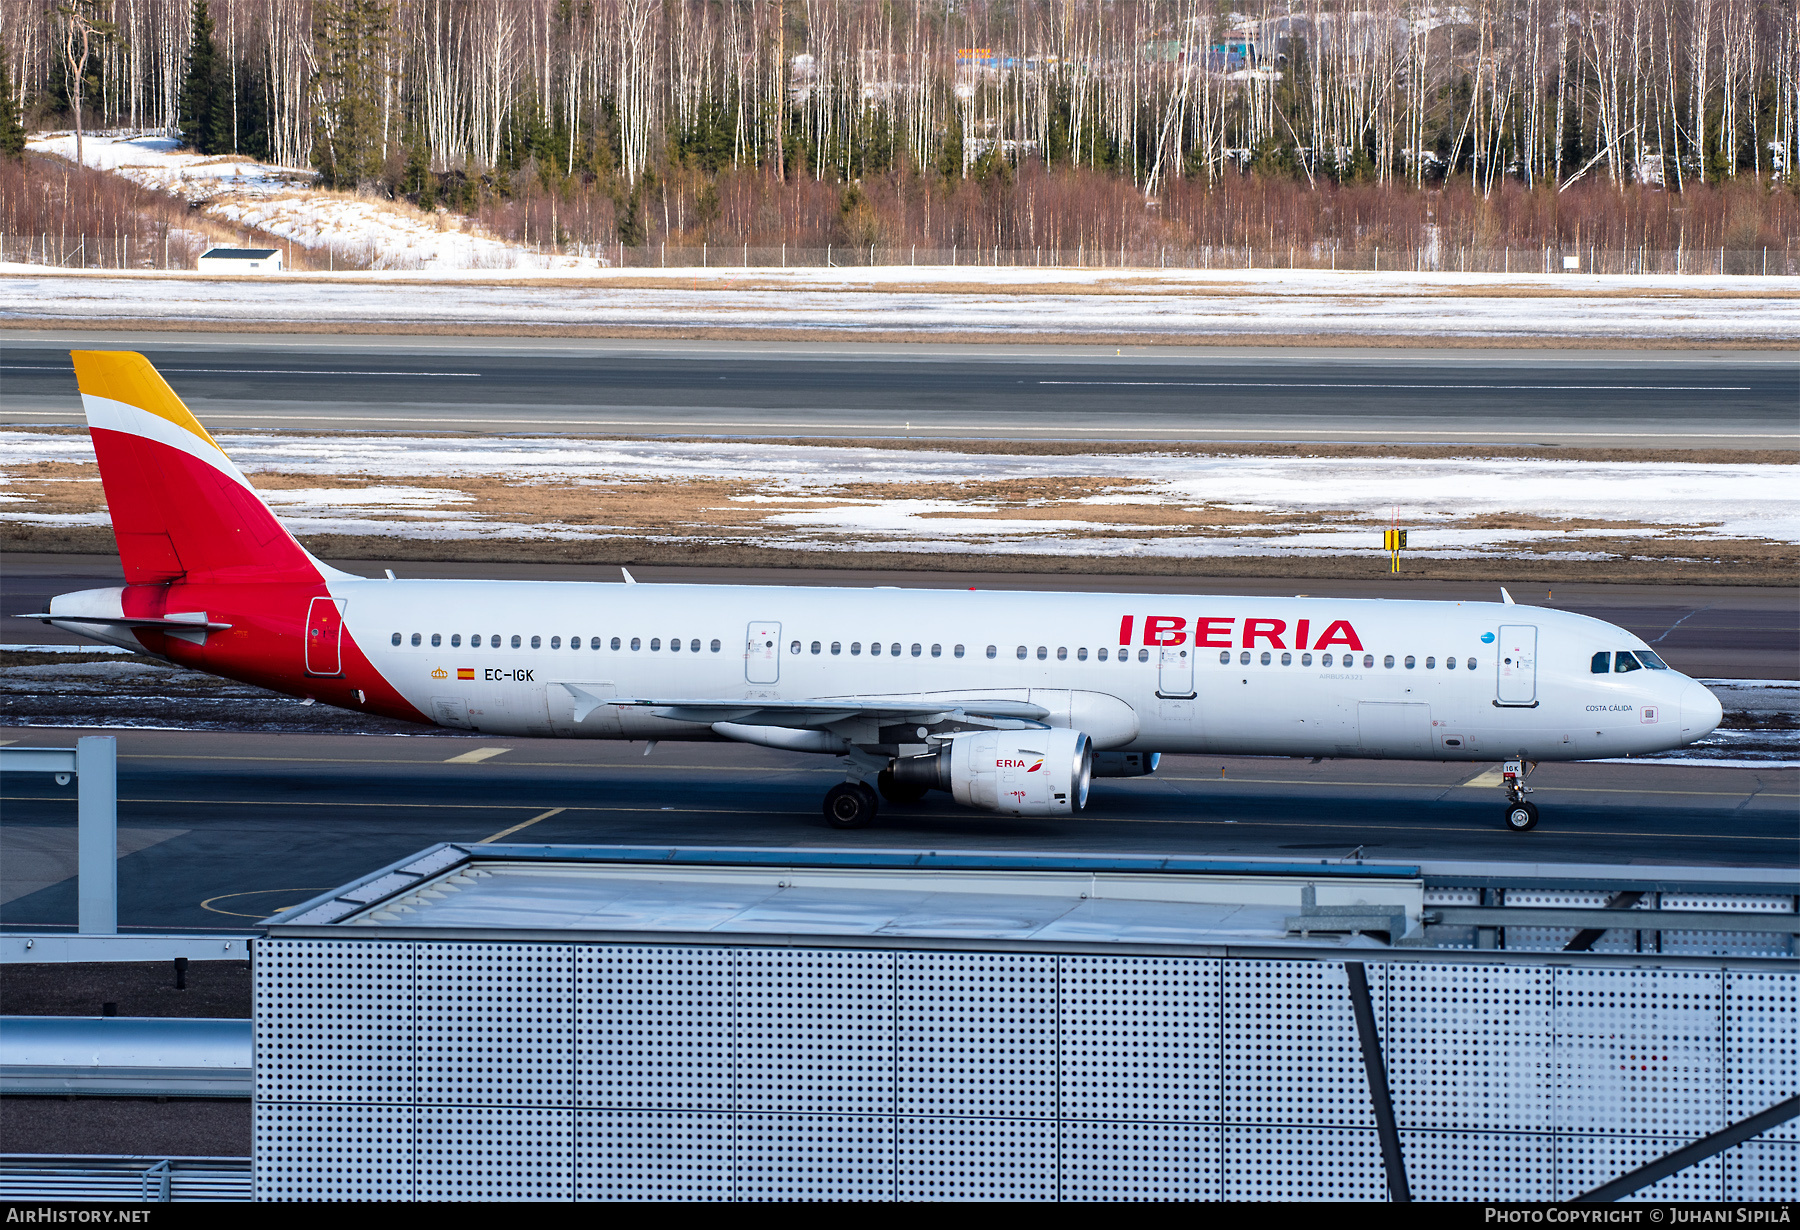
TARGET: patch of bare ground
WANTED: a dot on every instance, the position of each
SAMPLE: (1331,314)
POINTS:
(669,505)
(1625,560)
(385,326)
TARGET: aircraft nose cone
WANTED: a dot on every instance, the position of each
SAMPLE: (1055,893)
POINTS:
(1700,712)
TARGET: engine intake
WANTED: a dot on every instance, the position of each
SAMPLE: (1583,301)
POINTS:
(1022,772)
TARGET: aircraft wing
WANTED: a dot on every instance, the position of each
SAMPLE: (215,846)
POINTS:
(821,714)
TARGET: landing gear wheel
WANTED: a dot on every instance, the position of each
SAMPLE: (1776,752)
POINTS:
(849,805)
(1521,817)
(894,792)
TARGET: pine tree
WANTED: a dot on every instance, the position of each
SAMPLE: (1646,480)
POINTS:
(205,92)
(12,132)
(349,35)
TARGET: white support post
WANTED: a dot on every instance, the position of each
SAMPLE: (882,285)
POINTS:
(97,839)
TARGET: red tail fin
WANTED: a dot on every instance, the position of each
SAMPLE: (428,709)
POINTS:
(180,508)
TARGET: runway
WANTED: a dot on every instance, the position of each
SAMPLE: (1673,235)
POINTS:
(1022,394)
(224,829)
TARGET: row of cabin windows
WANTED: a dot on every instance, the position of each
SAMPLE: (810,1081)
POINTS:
(556,642)
(1022,652)
(1349,659)
(1626,660)
(918,650)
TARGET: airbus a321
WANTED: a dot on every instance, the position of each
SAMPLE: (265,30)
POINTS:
(1012,702)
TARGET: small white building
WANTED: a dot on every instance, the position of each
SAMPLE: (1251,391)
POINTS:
(241,260)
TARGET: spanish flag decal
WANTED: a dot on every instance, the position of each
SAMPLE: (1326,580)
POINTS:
(465,672)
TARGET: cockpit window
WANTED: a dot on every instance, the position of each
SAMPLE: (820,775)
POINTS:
(1651,660)
(1602,664)
(1623,662)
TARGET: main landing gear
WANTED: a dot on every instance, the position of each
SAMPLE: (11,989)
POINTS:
(850,805)
(1521,816)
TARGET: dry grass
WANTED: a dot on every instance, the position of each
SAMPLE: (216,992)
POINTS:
(1723,564)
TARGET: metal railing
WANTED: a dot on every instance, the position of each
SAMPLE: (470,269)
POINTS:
(33,1176)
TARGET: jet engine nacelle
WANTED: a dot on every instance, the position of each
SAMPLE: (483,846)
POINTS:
(1022,772)
(1126,764)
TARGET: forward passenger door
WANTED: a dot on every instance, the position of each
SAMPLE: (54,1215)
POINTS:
(1517,665)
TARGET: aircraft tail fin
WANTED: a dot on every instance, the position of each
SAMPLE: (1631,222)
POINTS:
(180,508)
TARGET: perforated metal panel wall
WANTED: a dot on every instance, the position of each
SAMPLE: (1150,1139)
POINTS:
(459,1070)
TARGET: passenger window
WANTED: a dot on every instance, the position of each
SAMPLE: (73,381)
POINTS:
(874,649)
(793,649)
(1369,661)
(1043,653)
(894,650)
(417,640)
(1623,662)
(1022,652)
(655,643)
(937,651)
(1651,660)
(917,649)
(957,652)
(837,647)
(1306,659)
(537,642)
(637,643)
(855,648)
(1101,654)
(556,642)
(1409,661)
(1062,653)
(456,640)
(1601,665)
(517,641)
(396,639)
(715,646)
(817,648)
(1224,657)
(1265,657)
(1430,664)
(992,650)
(1081,654)
(615,643)
(1325,661)
(437,638)
(1287,659)
(1143,655)
(1388,661)
(1470,663)
(1244,658)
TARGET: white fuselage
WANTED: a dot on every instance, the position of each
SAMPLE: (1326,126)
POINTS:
(1202,674)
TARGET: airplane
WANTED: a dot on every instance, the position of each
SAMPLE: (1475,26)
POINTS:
(1010,702)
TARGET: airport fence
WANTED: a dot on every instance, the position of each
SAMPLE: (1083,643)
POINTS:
(175,252)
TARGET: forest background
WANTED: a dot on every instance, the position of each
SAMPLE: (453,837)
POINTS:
(1065,124)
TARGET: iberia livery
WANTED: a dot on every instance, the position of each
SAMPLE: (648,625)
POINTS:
(1008,701)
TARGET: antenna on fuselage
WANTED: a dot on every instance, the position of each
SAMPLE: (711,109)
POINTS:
(1504,597)
(631,580)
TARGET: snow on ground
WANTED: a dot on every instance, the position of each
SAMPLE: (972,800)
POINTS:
(159,162)
(815,496)
(37,295)
(283,201)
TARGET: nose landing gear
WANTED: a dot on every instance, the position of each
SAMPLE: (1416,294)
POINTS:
(1521,816)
